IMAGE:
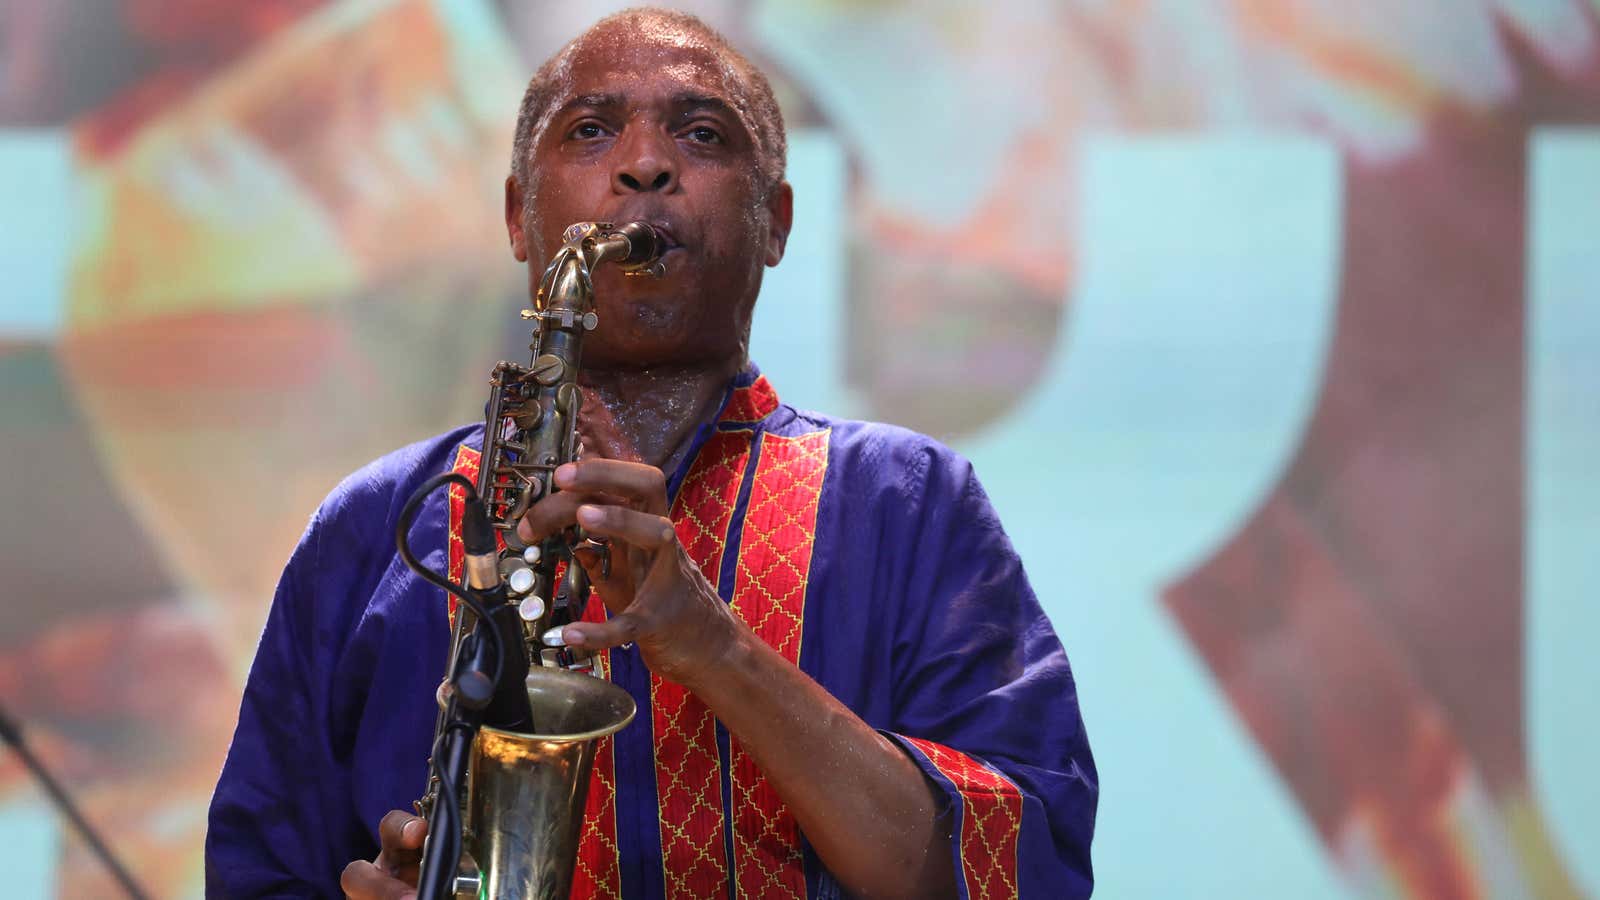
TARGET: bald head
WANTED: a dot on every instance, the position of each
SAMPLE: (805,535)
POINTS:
(751,94)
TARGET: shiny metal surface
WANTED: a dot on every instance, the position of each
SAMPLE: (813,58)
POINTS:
(527,791)
(524,803)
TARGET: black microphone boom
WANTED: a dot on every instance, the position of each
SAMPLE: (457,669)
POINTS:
(488,684)
(12,734)
(508,707)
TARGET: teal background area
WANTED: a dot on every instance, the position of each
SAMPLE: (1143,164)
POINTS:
(1198,337)
(1563,578)
(1197,342)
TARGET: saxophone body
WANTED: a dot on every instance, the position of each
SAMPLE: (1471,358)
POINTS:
(531,428)
(523,805)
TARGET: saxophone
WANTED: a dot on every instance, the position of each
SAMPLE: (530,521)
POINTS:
(520,811)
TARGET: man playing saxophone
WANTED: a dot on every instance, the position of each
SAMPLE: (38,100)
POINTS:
(844,683)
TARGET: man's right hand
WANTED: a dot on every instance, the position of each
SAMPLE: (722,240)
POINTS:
(393,875)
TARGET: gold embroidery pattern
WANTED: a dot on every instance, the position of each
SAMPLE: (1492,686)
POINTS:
(769,595)
(688,771)
(991,821)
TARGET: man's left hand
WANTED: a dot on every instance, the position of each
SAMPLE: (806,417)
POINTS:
(656,594)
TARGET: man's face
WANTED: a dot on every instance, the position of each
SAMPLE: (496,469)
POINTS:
(648,127)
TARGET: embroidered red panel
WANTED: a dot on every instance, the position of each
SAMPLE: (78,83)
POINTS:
(769,595)
(466,463)
(751,404)
(688,771)
(991,821)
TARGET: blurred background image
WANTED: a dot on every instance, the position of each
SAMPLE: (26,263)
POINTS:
(1272,327)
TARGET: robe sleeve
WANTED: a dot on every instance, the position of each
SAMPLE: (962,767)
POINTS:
(985,701)
(275,823)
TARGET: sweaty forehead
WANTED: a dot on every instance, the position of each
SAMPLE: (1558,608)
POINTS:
(646,60)
(650,59)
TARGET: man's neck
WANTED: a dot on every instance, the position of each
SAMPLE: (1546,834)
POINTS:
(651,414)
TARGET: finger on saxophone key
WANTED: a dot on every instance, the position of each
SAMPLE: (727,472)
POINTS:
(553,637)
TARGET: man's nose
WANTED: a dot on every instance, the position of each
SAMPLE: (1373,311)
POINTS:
(645,162)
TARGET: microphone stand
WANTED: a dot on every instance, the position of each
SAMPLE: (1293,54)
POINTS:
(487,687)
(441,851)
(11,732)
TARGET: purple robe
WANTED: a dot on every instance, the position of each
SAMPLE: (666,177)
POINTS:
(867,554)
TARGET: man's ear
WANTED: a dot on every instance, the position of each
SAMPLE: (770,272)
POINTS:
(519,241)
(780,218)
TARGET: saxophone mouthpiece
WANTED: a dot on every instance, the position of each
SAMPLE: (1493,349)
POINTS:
(644,244)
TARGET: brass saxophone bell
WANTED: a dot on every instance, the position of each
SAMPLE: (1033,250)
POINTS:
(526,815)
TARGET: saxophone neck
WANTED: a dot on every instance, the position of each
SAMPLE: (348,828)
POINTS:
(635,247)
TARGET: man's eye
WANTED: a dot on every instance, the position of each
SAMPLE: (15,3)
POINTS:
(704,134)
(586,131)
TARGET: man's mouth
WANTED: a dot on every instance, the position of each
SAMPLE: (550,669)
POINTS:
(666,239)
(666,244)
